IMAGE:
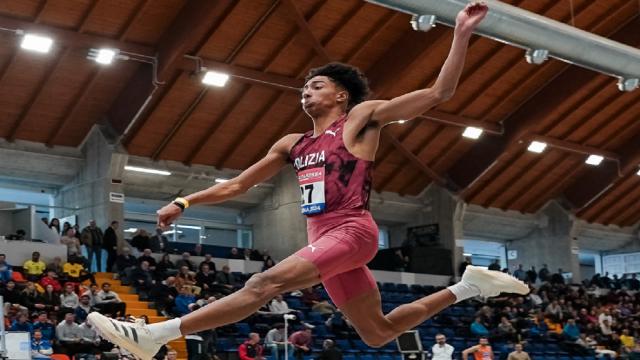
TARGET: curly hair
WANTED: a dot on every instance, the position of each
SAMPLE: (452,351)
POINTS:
(347,76)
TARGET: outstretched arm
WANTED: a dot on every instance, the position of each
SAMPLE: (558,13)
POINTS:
(264,169)
(415,103)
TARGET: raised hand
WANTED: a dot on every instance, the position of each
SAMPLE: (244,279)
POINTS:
(469,17)
(168,214)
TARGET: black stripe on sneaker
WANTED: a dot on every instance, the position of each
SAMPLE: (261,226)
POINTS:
(124,328)
(114,325)
(135,335)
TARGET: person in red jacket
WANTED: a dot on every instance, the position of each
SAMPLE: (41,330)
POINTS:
(51,279)
(251,349)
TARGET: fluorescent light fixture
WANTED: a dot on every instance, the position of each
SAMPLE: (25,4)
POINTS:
(221,180)
(105,56)
(170,232)
(472,132)
(215,78)
(188,227)
(146,170)
(130,230)
(41,44)
(594,160)
(467,254)
(537,147)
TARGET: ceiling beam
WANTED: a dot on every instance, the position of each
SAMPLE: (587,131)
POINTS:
(305,29)
(190,28)
(487,151)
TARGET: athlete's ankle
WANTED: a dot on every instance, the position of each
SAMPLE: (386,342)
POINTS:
(166,331)
(463,291)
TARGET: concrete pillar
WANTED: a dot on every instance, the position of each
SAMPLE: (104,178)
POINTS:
(277,223)
(89,192)
(553,243)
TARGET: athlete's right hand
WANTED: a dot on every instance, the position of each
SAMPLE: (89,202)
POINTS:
(168,214)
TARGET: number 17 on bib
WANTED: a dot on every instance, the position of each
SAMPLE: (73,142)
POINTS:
(312,190)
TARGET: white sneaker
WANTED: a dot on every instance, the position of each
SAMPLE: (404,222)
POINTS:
(492,283)
(134,337)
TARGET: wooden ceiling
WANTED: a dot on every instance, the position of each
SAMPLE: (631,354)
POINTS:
(268,45)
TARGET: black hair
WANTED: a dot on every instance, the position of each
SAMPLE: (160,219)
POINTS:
(347,76)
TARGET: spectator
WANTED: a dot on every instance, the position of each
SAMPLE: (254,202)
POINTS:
(110,244)
(557,278)
(40,347)
(171,355)
(605,320)
(51,279)
(185,261)
(166,267)
(45,326)
(76,272)
(571,332)
(56,266)
(339,325)
(183,300)
(329,351)
(88,336)
(83,309)
(10,294)
(441,350)
(159,242)
(165,294)
(142,279)
(186,277)
(518,354)
(495,265)
(226,278)
(251,349)
(35,267)
(205,278)
(268,264)
(66,226)
(141,240)
(463,265)
(301,341)
(532,275)
(208,261)
(151,261)
(634,283)
(235,254)
(312,299)
(22,324)
(478,328)
(69,335)
(275,341)
(506,330)
(482,351)
(5,269)
(92,237)
(279,306)
(125,263)
(71,241)
(628,341)
(520,274)
(544,273)
(197,250)
(51,298)
(109,302)
(29,297)
(69,300)
(55,225)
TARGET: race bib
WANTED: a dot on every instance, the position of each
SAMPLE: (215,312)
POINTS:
(312,190)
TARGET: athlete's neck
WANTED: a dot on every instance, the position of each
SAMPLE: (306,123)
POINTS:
(322,122)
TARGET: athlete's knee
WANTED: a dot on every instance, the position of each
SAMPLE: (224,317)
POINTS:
(375,340)
(262,286)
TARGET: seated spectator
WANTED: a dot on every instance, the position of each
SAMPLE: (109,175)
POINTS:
(268,264)
(186,261)
(275,341)
(628,341)
(339,325)
(108,302)
(5,269)
(125,263)
(51,299)
(197,250)
(183,300)
(35,267)
(478,328)
(69,336)
(71,241)
(330,351)
(186,277)
(51,279)
(141,240)
(146,256)
(142,279)
(56,265)
(40,347)
(208,261)
(519,354)
(10,294)
(69,300)
(506,330)
(235,254)
(44,326)
(19,235)
(159,242)
(571,332)
(83,309)
(29,297)
(226,278)
(22,324)
(166,267)
(251,348)
(279,306)
(301,341)
(311,298)
(89,337)
(205,279)
(164,295)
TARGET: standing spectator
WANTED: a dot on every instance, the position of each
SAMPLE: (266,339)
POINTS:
(634,283)
(110,244)
(251,348)
(92,237)
(66,226)
(495,265)
(482,351)
(40,348)
(301,341)
(544,273)
(159,242)
(68,299)
(34,267)
(141,240)
(441,350)
(71,241)
(557,278)
(109,302)
(329,351)
(275,341)
(518,354)
(185,261)
(463,265)
(208,261)
(45,326)
(532,275)
(520,274)
(55,225)
(5,269)
(69,336)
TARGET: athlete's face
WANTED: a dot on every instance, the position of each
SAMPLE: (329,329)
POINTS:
(321,94)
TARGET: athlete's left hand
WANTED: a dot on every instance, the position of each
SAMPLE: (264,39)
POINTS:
(469,17)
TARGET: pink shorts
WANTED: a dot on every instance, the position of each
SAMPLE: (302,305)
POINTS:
(341,243)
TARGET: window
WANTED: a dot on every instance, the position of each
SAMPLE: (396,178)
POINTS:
(383,237)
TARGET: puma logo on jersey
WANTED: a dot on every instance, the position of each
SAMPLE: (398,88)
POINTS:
(332,132)
(308,160)
(313,248)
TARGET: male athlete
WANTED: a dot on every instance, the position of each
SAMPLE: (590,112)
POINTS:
(334,164)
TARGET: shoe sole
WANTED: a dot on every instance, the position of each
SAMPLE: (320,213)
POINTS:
(105,329)
(500,280)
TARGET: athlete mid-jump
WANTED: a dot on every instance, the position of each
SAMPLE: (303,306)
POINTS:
(334,165)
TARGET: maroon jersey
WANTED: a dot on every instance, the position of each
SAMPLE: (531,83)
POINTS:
(330,177)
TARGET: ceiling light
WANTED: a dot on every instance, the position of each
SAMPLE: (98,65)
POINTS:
(130,230)
(537,146)
(467,254)
(188,227)
(103,56)
(638,173)
(401,121)
(594,160)
(215,78)
(146,170)
(221,180)
(472,132)
(37,43)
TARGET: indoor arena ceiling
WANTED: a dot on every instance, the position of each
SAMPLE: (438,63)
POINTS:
(268,45)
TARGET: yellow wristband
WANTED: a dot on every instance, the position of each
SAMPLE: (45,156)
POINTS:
(182,201)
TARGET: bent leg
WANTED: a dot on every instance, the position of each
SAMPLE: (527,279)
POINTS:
(365,314)
(293,273)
